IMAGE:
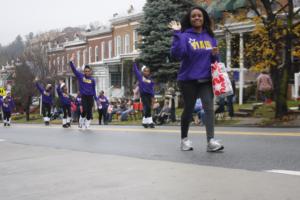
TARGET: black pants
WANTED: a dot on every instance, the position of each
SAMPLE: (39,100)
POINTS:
(6,115)
(87,106)
(67,111)
(147,102)
(191,90)
(102,113)
(230,109)
(46,110)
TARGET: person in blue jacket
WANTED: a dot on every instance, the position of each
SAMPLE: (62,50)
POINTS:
(47,101)
(195,46)
(65,100)
(7,104)
(87,88)
(146,87)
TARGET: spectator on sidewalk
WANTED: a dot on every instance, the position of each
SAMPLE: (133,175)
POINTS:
(264,86)
(102,108)
(199,111)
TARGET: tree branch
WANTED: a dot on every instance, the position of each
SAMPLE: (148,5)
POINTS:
(254,8)
(297,12)
(281,9)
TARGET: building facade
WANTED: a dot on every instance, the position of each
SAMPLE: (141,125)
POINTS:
(110,51)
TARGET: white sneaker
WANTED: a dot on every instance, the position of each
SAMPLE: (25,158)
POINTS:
(214,145)
(186,145)
(87,124)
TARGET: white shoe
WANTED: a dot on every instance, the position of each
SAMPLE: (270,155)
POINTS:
(214,145)
(87,124)
(186,145)
(81,122)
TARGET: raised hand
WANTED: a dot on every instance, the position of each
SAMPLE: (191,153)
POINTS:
(36,79)
(72,57)
(174,25)
(215,51)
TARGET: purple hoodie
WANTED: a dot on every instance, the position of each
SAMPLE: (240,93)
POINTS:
(46,96)
(65,99)
(194,50)
(87,85)
(9,105)
(146,85)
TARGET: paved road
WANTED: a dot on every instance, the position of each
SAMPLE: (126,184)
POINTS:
(119,162)
(256,149)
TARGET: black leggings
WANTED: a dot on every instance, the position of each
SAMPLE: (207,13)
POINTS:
(87,106)
(147,102)
(46,110)
(6,116)
(67,111)
(102,113)
(191,90)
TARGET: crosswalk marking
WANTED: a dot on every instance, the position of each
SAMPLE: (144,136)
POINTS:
(287,172)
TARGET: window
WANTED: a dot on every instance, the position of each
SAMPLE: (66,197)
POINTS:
(78,58)
(102,50)
(63,63)
(110,49)
(127,44)
(96,54)
(135,40)
(296,3)
(68,58)
(119,45)
(58,64)
(50,65)
(115,43)
(90,54)
(115,79)
(84,57)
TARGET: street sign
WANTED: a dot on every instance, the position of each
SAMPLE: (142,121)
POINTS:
(2,91)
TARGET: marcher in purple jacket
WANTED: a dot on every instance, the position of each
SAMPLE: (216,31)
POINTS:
(47,101)
(146,86)
(65,100)
(87,88)
(7,104)
(195,46)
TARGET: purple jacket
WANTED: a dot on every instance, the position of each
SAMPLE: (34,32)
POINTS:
(9,106)
(104,101)
(146,85)
(194,50)
(65,99)
(47,97)
(87,85)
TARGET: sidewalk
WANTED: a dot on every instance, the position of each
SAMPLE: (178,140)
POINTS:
(40,173)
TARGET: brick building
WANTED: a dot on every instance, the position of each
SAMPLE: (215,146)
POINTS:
(109,50)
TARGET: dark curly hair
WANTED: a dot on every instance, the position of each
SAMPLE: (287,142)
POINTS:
(186,21)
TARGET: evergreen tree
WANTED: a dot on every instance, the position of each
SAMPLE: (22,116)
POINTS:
(157,37)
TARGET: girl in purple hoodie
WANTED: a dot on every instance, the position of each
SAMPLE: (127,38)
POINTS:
(7,104)
(87,88)
(195,46)
(146,86)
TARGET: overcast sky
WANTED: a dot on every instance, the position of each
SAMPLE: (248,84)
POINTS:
(24,16)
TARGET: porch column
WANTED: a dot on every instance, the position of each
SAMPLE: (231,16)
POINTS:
(228,50)
(122,78)
(241,81)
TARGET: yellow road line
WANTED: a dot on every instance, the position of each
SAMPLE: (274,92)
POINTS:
(177,131)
